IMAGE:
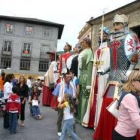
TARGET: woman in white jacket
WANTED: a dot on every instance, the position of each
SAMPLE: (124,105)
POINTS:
(8,86)
(7,92)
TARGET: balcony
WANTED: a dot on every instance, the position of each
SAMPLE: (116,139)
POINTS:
(26,53)
(6,52)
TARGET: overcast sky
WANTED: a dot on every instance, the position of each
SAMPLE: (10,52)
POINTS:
(72,13)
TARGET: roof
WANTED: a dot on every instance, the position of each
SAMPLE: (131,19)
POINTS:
(91,22)
(35,21)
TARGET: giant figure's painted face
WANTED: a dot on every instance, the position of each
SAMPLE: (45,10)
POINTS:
(83,44)
(52,57)
(105,36)
(118,26)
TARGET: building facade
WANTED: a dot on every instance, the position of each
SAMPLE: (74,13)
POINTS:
(86,31)
(24,43)
(131,10)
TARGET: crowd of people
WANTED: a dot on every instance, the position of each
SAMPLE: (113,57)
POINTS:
(91,81)
(15,94)
(83,85)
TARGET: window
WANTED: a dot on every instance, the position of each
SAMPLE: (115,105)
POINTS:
(5,62)
(137,31)
(47,33)
(9,28)
(43,65)
(7,46)
(26,49)
(25,64)
(29,30)
(43,50)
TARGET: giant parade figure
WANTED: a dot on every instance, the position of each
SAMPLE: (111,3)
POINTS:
(99,79)
(124,57)
(85,62)
(63,58)
(50,79)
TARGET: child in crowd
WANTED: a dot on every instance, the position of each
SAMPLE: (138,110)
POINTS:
(13,107)
(34,102)
(75,82)
(68,117)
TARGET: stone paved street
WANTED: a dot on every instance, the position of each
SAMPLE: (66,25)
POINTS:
(41,129)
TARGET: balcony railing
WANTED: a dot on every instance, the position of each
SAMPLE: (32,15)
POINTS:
(26,53)
(6,52)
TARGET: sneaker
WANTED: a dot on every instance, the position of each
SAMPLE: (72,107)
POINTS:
(59,134)
(22,123)
(40,117)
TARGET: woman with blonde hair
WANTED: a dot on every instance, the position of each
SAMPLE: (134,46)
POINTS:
(23,93)
(129,117)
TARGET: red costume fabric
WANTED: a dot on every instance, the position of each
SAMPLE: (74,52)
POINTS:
(64,56)
(46,96)
(106,123)
(93,109)
(52,101)
(138,135)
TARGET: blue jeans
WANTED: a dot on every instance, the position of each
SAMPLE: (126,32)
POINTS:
(13,118)
(68,127)
(35,110)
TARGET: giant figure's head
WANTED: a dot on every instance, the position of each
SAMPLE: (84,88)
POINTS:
(105,36)
(120,22)
(67,47)
(86,43)
(52,56)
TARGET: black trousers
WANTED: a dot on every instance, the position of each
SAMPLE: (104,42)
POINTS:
(6,118)
(22,116)
(117,136)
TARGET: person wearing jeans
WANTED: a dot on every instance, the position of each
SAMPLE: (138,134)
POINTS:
(35,110)
(35,107)
(68,111)
(68,126)
(65,86)
(13,118)
(13,107)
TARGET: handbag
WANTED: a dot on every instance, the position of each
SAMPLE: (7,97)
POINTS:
(113,109)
